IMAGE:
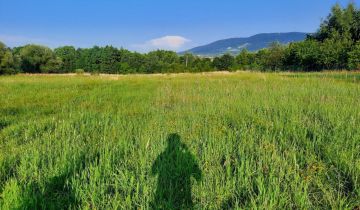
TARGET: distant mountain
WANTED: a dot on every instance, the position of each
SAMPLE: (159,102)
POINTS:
(253,43)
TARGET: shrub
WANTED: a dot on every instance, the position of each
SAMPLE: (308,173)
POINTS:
(95,73)
(79,71)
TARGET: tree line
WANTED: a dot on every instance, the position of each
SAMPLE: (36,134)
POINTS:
(336,45)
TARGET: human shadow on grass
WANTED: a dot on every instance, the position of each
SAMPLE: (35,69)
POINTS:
(56,192)
(175,166)
(55,195)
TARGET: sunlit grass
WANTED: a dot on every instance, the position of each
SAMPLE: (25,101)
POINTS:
(268,141)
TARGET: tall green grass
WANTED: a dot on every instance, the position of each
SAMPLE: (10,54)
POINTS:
(260,141)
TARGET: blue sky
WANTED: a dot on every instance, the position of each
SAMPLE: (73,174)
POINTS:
(144,25)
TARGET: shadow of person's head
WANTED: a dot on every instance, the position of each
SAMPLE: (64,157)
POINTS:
(174,141)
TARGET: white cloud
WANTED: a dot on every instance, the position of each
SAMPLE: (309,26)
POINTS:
(166,43)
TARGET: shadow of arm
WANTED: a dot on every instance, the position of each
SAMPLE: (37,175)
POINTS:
(196,171)
(155,165)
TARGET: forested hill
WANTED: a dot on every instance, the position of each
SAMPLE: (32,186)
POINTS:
(253,43)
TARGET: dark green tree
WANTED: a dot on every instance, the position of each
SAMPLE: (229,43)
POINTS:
(354,57)
(303,56)
(244,59)
(68,57)
(53,65)
(161,61)
(110,57)
(224,62)
(8,61)
(36,58)
(275,57)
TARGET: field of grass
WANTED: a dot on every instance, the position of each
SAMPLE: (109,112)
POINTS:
(212,141)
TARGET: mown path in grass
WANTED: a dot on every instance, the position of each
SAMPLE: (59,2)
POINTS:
(223,141)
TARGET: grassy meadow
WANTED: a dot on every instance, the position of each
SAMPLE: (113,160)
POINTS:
(188,141)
